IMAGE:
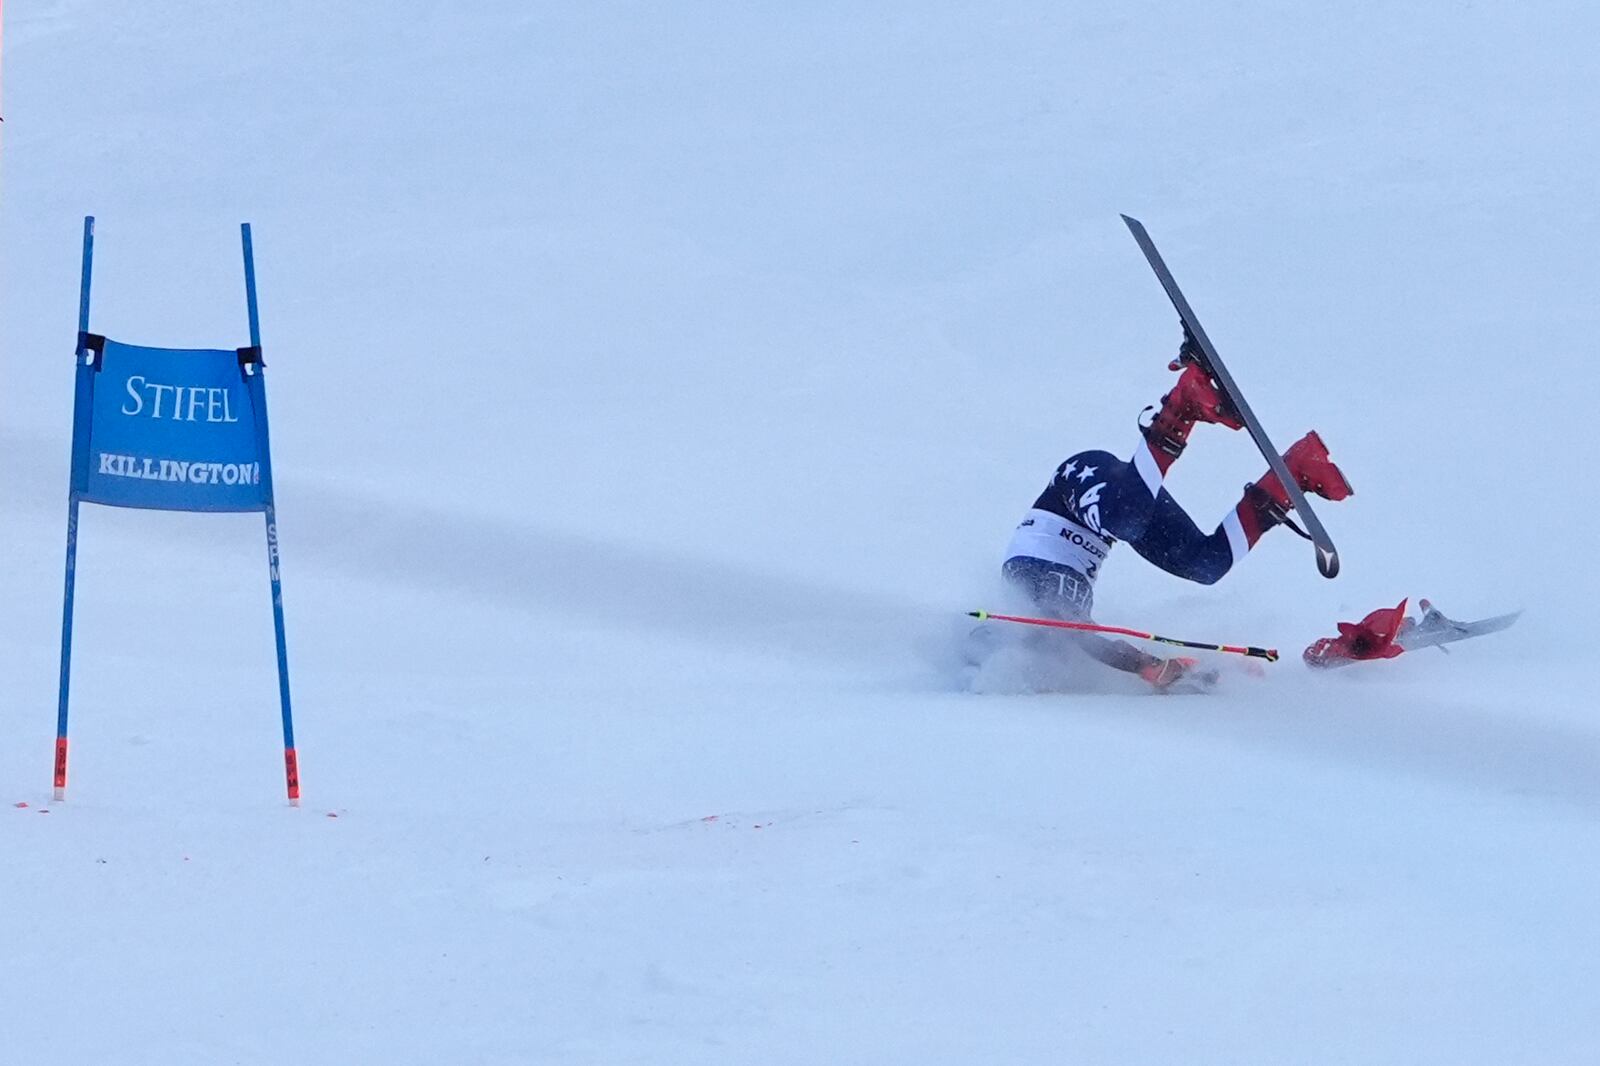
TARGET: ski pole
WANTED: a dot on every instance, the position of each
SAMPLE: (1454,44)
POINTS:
(1269,654)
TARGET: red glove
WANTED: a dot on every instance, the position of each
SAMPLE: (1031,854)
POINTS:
(1164,673)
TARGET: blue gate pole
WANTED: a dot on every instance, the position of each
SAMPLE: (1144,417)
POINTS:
(81,408)
(258,393)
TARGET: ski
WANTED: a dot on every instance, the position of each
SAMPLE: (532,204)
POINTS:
(1327,554)
(1435,629)
(1389,632)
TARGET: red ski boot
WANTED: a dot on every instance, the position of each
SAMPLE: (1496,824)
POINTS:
(1307,459)
(1266,504)
(1178,674)
(1195,398)
(1371,638)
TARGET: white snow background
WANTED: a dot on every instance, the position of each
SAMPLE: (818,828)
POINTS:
(651,387)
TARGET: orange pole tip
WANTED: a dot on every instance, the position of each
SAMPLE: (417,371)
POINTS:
(291,775)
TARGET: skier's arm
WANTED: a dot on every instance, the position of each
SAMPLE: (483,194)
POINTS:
(1117,654)
(1120,655)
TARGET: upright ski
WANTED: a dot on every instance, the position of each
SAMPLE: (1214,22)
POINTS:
(1327,554)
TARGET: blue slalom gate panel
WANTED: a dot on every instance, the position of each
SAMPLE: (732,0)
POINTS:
(172,429)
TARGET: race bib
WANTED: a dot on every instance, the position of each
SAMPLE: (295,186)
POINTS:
(1054,539)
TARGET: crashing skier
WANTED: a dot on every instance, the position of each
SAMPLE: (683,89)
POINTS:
(1096,499)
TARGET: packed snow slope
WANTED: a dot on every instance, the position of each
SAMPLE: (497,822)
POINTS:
(653,386)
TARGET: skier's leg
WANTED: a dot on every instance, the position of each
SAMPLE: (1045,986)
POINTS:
(1126,500)
(1125,510)
(1173,542)
(1119,498)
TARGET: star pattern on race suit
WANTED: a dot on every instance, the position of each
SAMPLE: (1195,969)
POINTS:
(1066,470)
(1086,473)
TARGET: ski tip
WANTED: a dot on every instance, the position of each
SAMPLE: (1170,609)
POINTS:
(1131,221)
(979,615)
(1328,562)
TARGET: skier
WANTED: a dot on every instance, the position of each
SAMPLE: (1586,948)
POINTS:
(1096,499)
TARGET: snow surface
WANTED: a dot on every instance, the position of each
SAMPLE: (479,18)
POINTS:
(652,386)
